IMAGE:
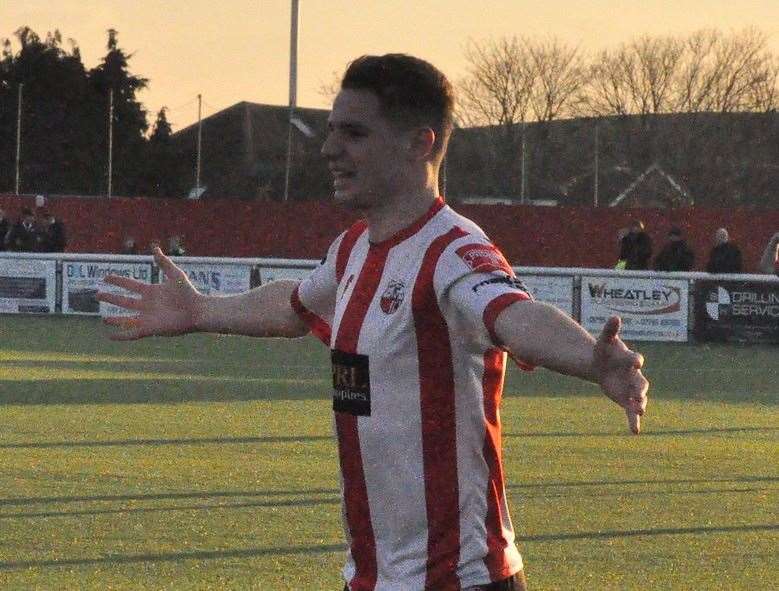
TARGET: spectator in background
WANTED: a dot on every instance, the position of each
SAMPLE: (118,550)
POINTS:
(676,255)
(129,246)
(769,262)
(635,248)
(4,229)
(176,246)
(155,243)
(53,234)
(725,257)
(24,236)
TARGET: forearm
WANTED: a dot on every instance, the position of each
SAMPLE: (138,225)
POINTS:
(265,311)
(542,335)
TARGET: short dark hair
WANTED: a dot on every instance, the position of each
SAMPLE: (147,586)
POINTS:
(410,91)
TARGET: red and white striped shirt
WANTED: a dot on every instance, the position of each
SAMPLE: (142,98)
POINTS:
(418,376)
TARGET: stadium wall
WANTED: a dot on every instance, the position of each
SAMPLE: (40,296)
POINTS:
(529,235)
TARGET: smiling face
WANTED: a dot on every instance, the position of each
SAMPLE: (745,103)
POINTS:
(367,154)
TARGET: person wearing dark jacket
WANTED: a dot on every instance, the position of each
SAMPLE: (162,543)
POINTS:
(23,236)
(4,227)
(676,255)
(636,247)
(725,257)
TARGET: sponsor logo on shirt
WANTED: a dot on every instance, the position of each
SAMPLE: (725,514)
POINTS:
(351,383)
(392,297)
(513,282)
(484,258)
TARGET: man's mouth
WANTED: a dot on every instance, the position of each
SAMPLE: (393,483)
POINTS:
(342,177)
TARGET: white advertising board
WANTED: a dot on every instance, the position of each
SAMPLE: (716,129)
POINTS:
(651,309)
(81,280)
(28,286)
(268,274)
(551,289)
(217,278)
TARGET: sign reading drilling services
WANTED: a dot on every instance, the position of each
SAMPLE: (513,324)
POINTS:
(737,311)
(651,309)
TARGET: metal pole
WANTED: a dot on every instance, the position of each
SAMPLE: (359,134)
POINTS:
(18,135)
(110,140)
(524,168)
(199,143)
(597,150)
(293,85)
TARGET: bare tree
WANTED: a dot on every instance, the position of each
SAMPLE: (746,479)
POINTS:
(327,90)
(724,74)
(497,88)
(636,78)
(558,74)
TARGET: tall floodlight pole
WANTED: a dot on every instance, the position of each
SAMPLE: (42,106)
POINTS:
(199,144)
(18,135)
(523,166)
(110,140)
(293,90)
(596,166)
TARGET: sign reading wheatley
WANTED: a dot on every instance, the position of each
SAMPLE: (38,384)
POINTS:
(651,309)
(737,311)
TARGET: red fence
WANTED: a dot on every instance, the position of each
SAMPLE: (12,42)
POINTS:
(536,236)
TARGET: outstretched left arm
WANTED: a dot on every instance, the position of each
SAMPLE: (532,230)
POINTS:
(540,334)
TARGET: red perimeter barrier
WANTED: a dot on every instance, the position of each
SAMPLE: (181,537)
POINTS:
(528,235)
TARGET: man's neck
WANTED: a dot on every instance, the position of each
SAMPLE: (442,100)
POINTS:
(398,213)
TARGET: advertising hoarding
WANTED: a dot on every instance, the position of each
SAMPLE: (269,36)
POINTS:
(737,311)
(28,286)
(651,309)
(81,280)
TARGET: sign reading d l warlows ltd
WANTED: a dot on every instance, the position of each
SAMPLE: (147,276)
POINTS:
(651,309)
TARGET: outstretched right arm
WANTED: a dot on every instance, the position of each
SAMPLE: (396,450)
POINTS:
(175,307)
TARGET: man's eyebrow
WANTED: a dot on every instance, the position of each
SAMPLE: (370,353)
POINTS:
(346,125)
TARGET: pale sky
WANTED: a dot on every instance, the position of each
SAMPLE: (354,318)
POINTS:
(238,50)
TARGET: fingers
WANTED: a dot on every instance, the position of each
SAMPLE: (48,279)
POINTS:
(164,263)
(611,329)
(120,300)
(628,360)
(127,283)
(634,421)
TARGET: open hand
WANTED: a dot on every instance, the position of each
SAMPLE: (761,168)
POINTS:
(165,309)
(619,373)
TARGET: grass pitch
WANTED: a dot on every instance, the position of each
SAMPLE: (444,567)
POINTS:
(207,462)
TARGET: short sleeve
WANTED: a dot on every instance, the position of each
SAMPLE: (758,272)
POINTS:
(479,283)
(314,298)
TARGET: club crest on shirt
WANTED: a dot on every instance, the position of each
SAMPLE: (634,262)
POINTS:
(392,297)
(484,258)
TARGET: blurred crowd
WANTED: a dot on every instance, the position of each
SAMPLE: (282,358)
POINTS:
(34,231)
(636,250)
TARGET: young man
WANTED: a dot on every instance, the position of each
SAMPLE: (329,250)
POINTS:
(418,308)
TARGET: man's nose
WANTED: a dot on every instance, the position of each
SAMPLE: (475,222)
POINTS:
(330,147)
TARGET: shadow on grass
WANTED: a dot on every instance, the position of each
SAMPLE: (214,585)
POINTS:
(646,433)
(149,390)
(160,442)
(587,483)
(165,496)
(175,556)
(277,504)
(333,548)
(669,531)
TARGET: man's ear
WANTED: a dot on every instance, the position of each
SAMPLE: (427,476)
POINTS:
(421,143)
